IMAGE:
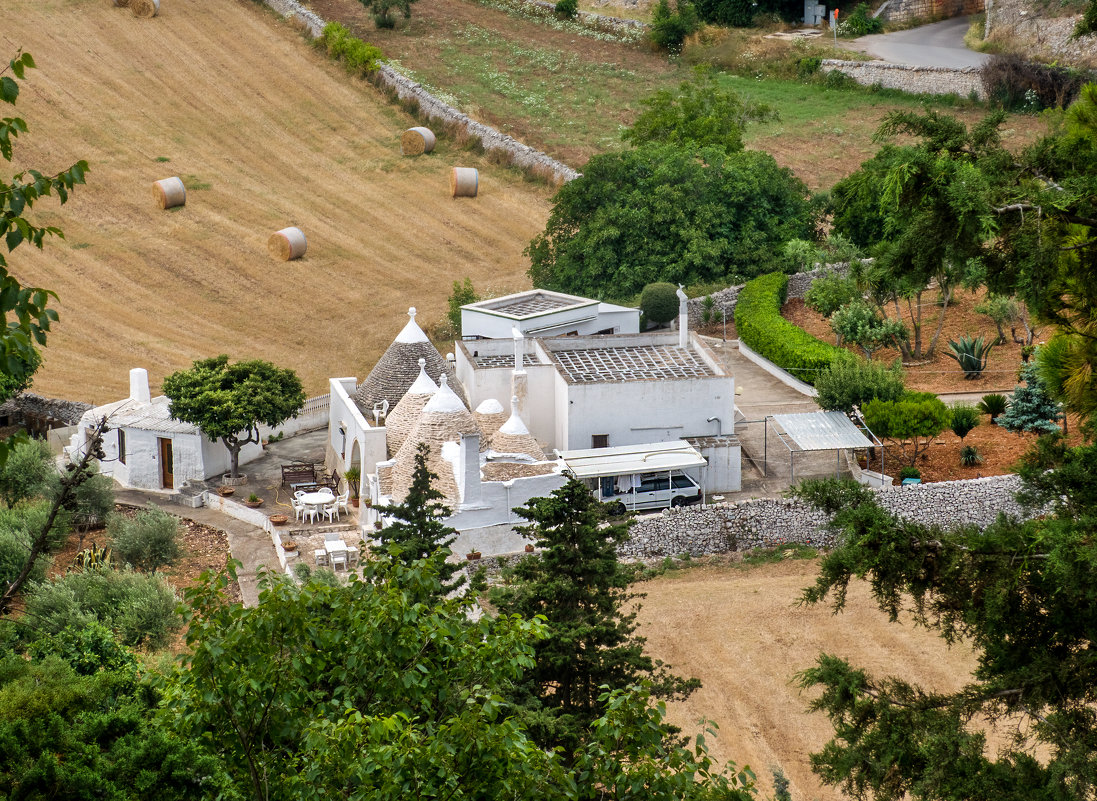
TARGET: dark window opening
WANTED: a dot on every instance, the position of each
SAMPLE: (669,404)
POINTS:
(121,446)
(599,441)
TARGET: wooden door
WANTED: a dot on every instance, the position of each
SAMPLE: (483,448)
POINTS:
(167,464)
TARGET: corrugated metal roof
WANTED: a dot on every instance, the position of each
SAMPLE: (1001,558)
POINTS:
(822,431)
(629,459)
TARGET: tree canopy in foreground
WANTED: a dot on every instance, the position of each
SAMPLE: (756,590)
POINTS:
(1022,595)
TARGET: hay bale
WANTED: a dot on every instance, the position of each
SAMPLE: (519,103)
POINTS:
(169,192)
(287,244)
(464,182)
(417,141)
(145,8)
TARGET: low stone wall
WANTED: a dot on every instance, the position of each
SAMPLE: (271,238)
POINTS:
(725,299)
(521,155)
(904,10)
(916,80)
(768,522)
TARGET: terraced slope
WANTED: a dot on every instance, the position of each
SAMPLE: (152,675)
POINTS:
(267,134)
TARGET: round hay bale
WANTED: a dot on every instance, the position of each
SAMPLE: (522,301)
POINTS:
(417,141)
(464,181)
(169,192)
(145,8)
(287,244)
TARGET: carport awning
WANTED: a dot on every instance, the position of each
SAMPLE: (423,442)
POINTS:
(656,457)
(822,431)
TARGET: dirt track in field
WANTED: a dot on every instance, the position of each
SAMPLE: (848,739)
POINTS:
(740,632)
(238,102)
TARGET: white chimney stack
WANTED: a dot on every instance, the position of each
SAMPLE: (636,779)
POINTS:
(139,385)
(683,319)
(519,349)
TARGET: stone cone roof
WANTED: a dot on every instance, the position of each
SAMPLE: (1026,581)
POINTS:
(444,419)
(398,368)
(403,417)
(490,415)
(514,437)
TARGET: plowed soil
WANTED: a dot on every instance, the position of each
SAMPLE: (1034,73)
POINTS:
(267,133)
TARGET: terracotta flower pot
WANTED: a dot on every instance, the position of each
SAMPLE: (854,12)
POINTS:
(472,556)
(253,504)
(279,520)
(289,545)
(529,548)
(225,492)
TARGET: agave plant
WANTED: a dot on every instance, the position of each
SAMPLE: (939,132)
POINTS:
(970,354)
(93,557)
(970,456)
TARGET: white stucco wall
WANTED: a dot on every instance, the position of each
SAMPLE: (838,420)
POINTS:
(344,415)
(497,498)
(636,412)
(724,471)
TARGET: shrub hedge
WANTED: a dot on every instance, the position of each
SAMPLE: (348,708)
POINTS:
(761,326)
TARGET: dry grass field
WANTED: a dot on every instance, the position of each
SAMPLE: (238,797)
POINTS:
(739,631)
(266,133)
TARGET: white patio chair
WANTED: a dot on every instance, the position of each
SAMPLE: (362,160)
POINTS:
(299,493)
(332,536)
(331,512)
(342,501)
(321,556)
(299,510)
(339,558)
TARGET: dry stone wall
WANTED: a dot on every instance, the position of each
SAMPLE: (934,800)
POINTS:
(725,299)
(772,522)
(903,10)
(917,80)
(521,155)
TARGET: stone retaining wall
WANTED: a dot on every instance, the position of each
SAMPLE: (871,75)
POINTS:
(764,523)
(1033,28)
(521,155)
(725,299)
(903,10)
(916,80)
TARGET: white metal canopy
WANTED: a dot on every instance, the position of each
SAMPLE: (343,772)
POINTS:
(630,459)
(822,431)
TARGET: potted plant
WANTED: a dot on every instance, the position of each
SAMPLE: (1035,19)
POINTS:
(253,501)
(529,547)
(353,475)
(279,520)
(289,545)
(225,491)
(472,556)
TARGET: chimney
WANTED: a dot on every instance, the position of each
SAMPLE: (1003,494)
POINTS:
(470,470)
(683,319)
(139,385)
(519,348)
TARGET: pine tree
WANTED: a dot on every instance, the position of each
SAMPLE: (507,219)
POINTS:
(1030,407)
(417,525)
(578,584)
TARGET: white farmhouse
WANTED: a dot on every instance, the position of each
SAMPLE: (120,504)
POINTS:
(541,313)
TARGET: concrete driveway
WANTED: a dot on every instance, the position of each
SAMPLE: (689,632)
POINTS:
(938,45)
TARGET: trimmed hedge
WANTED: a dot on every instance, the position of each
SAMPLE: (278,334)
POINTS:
(761,326)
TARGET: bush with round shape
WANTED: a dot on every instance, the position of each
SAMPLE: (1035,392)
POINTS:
(659,302)
(147,541)
(909,472)
(913,421)
(830,292)
(567,9)
(852,383)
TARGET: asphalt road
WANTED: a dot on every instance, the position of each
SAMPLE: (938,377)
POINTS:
(938,45)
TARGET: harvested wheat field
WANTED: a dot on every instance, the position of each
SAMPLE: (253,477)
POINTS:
(739,631)
(266,133)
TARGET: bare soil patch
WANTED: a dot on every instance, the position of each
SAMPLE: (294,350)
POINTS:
(741,633)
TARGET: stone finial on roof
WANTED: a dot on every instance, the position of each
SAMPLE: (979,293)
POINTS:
(411,332)
(513,436)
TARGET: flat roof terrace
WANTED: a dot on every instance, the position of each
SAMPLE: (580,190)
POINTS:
(529,304)
(630,363)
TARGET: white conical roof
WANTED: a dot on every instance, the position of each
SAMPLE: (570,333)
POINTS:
(514,438)
(423,385)
(411,332)
(490,406)
(401,420)
(514,424)
(445,400)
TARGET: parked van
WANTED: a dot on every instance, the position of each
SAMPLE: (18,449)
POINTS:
(648,491)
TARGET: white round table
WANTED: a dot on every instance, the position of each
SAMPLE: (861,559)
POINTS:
(315,500)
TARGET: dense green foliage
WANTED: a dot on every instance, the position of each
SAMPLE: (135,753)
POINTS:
(963,419)
(1088,23)
(578,584)
(860,22)
(25,313)
(700,113)
(17,529)
(669,29)
(1002,310)
(830,292)
(970,354)
(462,295)
(861,324)
(1020,84)
(993,404)
(742,13)
(659,302)
(852,383)
(230,401)
(1020,594)
(26,471)
(912,422)
(358,57)
(760,325)
(567,9)
(1030,407)
(384,11)
(970,456)
(140,608)
(415,526)
(666,213)
(147,541)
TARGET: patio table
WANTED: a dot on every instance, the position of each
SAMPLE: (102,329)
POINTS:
(315,500)
(335,546)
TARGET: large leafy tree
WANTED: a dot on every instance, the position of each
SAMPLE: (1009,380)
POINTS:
(699,113)
(913,421)
(924,211)
(230,401)
(667,213)
(579,585)
(26,313)
(416,525)
(1021,595)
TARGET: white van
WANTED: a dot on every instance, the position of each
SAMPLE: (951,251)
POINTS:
(648,491)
